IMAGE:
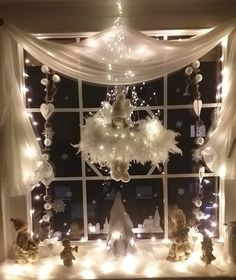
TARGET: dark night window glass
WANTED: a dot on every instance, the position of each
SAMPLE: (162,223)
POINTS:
(93,95)
(150,92)
(142,199)
(67,223)
(62,154)
(181,120)
(181,192)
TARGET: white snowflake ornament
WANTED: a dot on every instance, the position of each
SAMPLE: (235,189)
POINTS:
(180,191)
(179,124)
(58,205)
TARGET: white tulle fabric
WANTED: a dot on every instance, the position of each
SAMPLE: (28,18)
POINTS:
(140,58)
(220,151)
(20,153)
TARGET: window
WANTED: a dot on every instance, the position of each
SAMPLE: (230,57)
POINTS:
(85,191)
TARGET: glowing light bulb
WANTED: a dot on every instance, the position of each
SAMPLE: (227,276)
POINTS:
(25,90)
(116,234)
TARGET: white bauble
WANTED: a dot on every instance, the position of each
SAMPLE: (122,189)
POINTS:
(44,81)
(45,156)
(45,69)
(196,64)
(47,198)
(200,215)
(200,141)
(46,218)
(56,78)
(188,71)
(198,78)
(47,206)
(198,203)
(47,142)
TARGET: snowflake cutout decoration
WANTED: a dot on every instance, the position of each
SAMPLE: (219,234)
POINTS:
(179,124)
(48,132)
(180,191)
(58,205)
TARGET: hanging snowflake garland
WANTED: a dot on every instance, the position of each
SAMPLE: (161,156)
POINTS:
(58,205)
(111,138)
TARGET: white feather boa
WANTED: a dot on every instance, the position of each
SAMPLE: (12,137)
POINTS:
(146,141)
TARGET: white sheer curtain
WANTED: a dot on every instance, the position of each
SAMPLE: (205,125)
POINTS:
(220,151)
(133,58)
(19,150)
(139,58)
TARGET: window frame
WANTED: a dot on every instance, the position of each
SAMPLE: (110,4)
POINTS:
(165,107)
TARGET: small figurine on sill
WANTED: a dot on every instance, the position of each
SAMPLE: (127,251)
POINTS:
(66,254)
(207,249)
(180,249)
(26,249)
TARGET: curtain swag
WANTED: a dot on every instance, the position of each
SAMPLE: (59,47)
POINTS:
(139,58)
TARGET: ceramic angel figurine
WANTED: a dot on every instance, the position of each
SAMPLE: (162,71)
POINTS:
(121,119)
(207,249)
(66,254)
(26,249)
(180,249)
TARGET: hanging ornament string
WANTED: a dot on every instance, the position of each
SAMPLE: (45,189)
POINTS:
(192,87)
(47,109)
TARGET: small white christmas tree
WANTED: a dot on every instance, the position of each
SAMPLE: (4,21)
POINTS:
(157,220)
(105,227)
(120,239)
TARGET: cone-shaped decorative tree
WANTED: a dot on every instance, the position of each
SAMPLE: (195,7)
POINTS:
(120,239)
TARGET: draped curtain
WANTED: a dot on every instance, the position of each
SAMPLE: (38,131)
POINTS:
(139,58)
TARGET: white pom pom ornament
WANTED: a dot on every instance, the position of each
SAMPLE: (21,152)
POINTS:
(198,78)
(188,70)
(44,81)
(45,69)
(196,64)
(56,78)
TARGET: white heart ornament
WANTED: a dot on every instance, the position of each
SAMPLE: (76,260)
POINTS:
(201,173)
(197,106)
(46,110)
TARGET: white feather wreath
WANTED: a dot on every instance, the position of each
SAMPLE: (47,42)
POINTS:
(146,141)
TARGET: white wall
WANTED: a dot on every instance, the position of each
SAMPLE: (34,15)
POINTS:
(230,201)
(93,15)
